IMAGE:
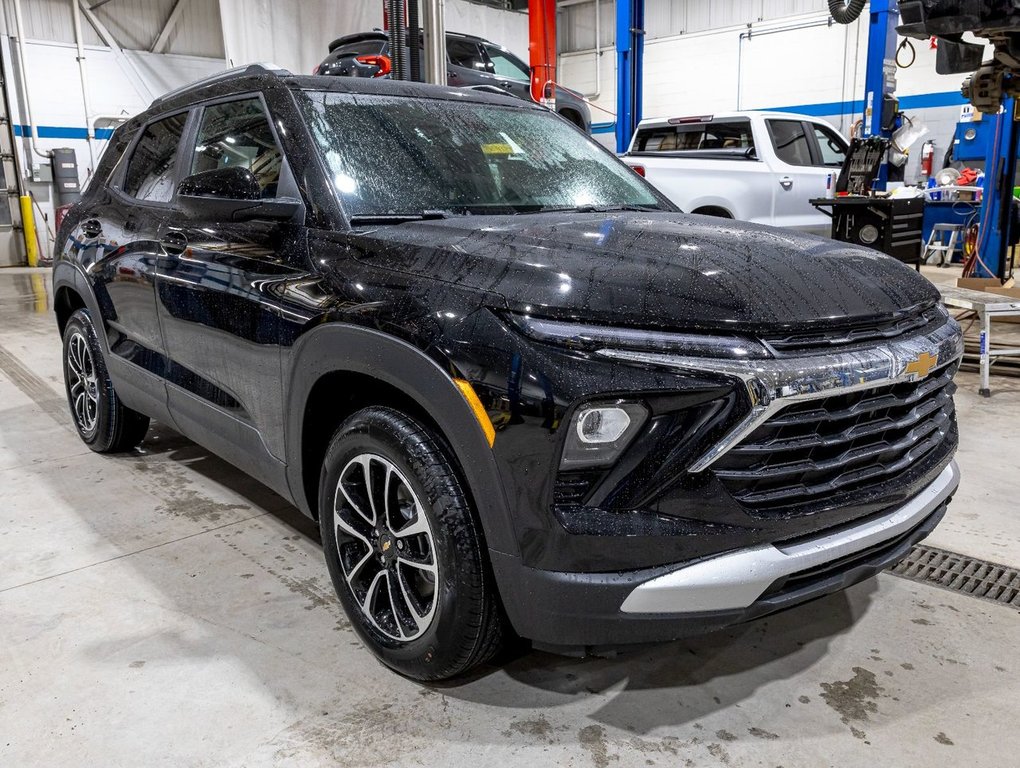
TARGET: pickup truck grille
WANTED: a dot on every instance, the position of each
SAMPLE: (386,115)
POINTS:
(843,443)
(928,320)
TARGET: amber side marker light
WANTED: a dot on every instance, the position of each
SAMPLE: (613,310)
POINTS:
(479,410)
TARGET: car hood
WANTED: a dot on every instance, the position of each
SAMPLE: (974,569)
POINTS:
(653,270)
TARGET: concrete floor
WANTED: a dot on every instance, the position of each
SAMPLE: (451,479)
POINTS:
(164,609)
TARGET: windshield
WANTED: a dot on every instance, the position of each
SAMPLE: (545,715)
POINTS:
(400,156)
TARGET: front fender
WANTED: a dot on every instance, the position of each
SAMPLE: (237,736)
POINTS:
(340,347)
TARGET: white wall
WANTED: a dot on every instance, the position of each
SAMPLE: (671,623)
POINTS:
(799,62)
(118,85)
(295,34)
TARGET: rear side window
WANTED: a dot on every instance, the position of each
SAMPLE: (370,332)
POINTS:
(728,136)
(464,53)
(237,133)
(150,171)
(790,142)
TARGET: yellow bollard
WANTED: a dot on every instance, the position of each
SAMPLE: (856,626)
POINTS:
(28,227)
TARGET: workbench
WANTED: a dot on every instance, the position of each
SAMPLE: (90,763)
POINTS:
(987,306)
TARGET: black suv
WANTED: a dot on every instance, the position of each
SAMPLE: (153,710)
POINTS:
(472,62)
(519,391)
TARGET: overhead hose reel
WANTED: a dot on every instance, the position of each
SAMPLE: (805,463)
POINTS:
(846,12)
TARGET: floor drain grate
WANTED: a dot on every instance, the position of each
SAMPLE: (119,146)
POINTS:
(962,574)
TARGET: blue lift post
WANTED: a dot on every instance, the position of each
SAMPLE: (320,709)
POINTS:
(630,46)
(880,76)
(1000,175)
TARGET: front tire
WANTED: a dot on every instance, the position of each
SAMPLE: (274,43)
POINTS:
(404,548)
(103,422)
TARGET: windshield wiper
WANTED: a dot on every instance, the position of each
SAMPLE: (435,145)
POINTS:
(396,218)
(596,208)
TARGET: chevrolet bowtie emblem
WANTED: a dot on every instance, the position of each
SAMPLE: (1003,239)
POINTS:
(921,366)
(386,545)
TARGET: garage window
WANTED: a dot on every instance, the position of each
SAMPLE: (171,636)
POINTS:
(238,134)
(150,172)
(730,137)
(790,142)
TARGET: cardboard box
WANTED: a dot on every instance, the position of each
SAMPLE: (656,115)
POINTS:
(982,283)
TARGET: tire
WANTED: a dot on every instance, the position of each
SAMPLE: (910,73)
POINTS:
(103,422)
(408,564)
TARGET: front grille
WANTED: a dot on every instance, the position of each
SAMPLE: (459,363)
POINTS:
(839,444)
(928,320)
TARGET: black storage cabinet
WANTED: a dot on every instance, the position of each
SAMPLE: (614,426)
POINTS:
(891,226)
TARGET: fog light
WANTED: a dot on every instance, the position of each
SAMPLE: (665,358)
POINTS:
(602,425)
(599,434)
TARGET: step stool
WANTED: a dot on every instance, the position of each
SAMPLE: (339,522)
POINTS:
(937,245)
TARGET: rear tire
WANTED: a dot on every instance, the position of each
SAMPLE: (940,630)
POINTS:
(103,422)
(404,548)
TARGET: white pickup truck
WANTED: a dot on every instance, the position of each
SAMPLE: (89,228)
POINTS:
(753,166)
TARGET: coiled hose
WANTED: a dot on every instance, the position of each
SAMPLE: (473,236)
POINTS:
(846,12)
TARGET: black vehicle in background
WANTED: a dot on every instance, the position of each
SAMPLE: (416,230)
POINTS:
(519,391)
(472,62)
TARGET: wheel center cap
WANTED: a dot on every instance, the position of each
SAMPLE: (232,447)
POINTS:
(387,546)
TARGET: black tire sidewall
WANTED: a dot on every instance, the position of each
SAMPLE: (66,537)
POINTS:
(81,323)
(443,646)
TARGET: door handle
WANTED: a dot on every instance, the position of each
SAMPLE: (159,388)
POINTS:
(786,182)
(174,243)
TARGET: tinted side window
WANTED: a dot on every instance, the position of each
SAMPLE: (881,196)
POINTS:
(505,65)
(463,53)
(831,145)
(150,171)
(708,137)
(790,142)
(238,134)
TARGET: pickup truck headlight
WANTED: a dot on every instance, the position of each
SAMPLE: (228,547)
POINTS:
(599,433)
(593,337)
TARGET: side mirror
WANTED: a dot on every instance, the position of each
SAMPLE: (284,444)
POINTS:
(231,193)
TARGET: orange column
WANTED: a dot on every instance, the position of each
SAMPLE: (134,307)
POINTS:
(542,50)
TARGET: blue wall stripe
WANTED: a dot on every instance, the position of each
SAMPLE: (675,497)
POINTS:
(63,132)
(920,101)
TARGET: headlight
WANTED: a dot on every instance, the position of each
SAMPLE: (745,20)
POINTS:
(593,337)
(599,433)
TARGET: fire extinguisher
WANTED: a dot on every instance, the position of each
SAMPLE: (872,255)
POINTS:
(927,158)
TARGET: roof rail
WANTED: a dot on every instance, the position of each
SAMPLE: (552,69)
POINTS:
(219,77)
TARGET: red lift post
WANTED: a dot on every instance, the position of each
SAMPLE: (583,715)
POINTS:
(542,50)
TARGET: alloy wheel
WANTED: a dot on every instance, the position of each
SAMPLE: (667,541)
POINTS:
(386,546)
(83,383)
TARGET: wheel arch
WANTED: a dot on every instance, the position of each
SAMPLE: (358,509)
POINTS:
(713,210)
(573,116)
(66,301)
(71,292)
(336,369)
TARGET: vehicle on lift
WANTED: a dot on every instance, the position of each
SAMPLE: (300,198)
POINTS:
(519,391)
(472,62)
(762,167)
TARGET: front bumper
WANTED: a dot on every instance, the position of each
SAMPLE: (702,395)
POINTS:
(579,611)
